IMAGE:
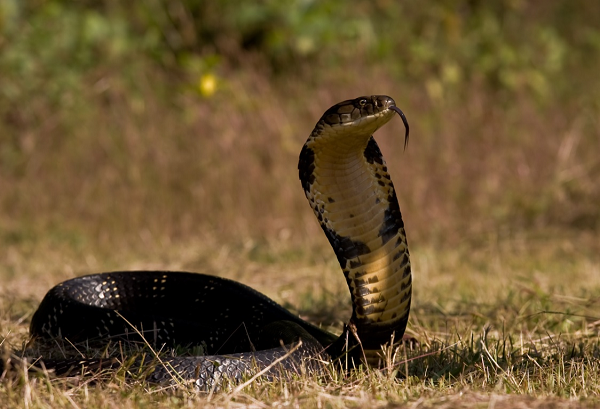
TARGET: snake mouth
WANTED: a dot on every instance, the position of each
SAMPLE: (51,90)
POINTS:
(404,120)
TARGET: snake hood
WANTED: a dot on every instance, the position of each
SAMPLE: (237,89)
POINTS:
(346,182)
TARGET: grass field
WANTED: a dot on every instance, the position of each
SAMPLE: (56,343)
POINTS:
(513,323)
(125,163)
(506,287)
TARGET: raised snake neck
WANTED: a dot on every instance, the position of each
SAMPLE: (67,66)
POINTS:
(347,184)
(345,179)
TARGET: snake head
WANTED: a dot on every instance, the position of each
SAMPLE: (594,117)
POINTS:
(366,114)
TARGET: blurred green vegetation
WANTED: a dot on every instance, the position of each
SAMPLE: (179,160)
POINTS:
(171,117)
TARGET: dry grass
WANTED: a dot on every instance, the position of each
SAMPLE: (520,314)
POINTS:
(508,331)
(139,168)
(499,199)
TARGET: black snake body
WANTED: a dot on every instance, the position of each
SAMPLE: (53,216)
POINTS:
(164,307)
(239,330)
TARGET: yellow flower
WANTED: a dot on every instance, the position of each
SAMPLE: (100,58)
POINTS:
(207,85)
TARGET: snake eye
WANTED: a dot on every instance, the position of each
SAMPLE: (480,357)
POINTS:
(362,102)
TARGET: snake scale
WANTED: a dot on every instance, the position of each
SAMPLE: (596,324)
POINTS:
(239,330)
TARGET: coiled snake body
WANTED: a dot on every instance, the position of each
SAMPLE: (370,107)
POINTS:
(346,182)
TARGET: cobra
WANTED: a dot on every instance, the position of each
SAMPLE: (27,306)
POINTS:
(241,331)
